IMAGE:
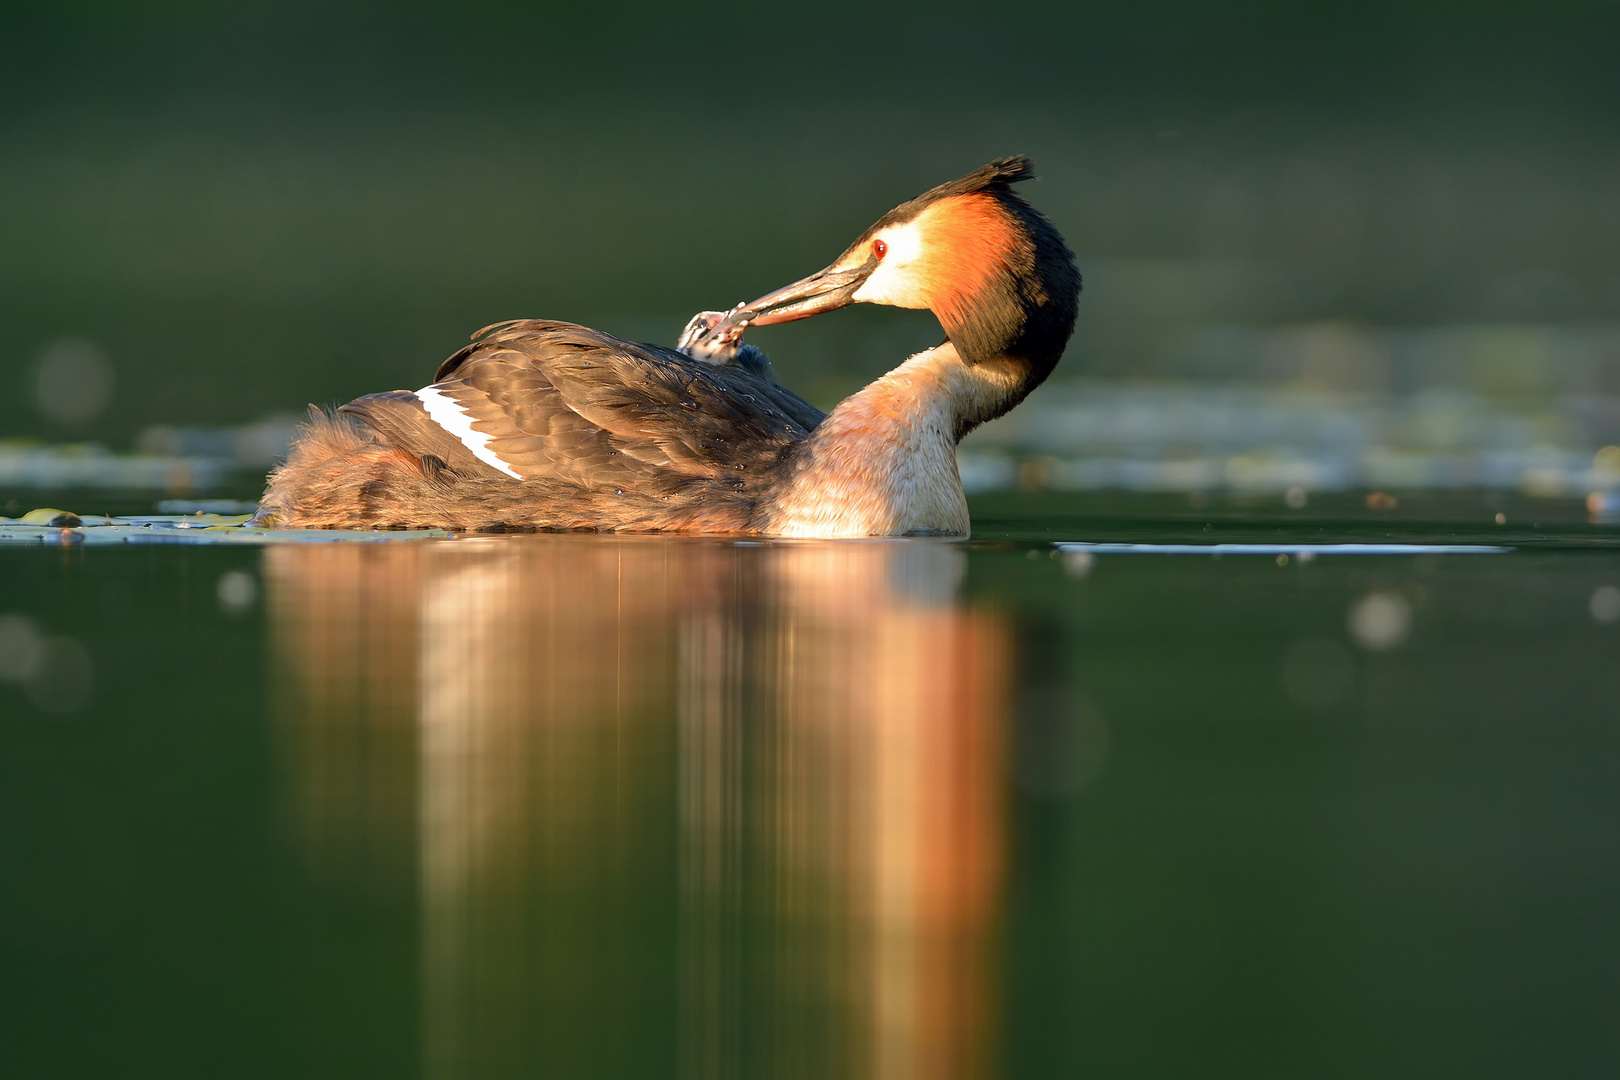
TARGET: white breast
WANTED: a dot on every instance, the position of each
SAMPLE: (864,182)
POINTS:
(883,463)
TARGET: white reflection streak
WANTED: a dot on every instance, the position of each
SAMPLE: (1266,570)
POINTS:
(461,663)
(896,803)
(871,820)
(709,798)
(1281,549)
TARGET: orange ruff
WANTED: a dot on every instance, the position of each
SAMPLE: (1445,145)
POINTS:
(969,240)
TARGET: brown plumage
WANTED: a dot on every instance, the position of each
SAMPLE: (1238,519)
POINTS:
(604,433)
(550,426)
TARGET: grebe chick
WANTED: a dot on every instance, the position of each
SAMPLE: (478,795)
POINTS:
(549,426)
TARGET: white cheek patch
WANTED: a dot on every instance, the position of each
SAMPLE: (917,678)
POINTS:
(895,280)
(444,411)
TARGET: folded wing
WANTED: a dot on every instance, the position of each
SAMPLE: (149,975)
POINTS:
(540,400)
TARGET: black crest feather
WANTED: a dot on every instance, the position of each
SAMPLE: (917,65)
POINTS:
(996,178)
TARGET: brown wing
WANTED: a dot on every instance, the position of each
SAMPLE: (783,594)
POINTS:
(399,417)
(559,401)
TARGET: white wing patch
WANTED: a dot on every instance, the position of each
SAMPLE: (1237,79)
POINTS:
(445,412)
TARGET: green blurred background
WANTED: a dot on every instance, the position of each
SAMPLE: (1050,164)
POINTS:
(1312,235)
(247,207)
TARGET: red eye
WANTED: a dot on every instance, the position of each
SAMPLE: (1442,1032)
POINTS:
(879,248)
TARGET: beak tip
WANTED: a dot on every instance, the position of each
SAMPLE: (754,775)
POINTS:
(824,291)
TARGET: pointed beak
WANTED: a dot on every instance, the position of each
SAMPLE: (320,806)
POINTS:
(823,291)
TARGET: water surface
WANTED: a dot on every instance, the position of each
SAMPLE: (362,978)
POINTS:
(591,806)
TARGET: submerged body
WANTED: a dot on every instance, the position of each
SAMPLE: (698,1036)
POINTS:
(550,426)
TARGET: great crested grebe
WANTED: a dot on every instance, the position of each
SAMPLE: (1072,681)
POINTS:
(549,426)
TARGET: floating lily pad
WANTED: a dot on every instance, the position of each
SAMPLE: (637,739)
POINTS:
(51,526)
(51,518)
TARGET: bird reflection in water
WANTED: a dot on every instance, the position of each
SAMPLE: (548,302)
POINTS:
(738,807)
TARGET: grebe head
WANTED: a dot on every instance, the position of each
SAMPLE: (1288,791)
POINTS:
(990,267)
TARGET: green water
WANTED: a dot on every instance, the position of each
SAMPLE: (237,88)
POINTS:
(581,806)
(592,807)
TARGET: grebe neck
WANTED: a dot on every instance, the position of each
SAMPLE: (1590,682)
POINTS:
(883,463)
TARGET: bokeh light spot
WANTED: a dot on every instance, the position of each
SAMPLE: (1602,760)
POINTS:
(21,648)
(1380,621)
(73,381)
(1605,604)
(237,592)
